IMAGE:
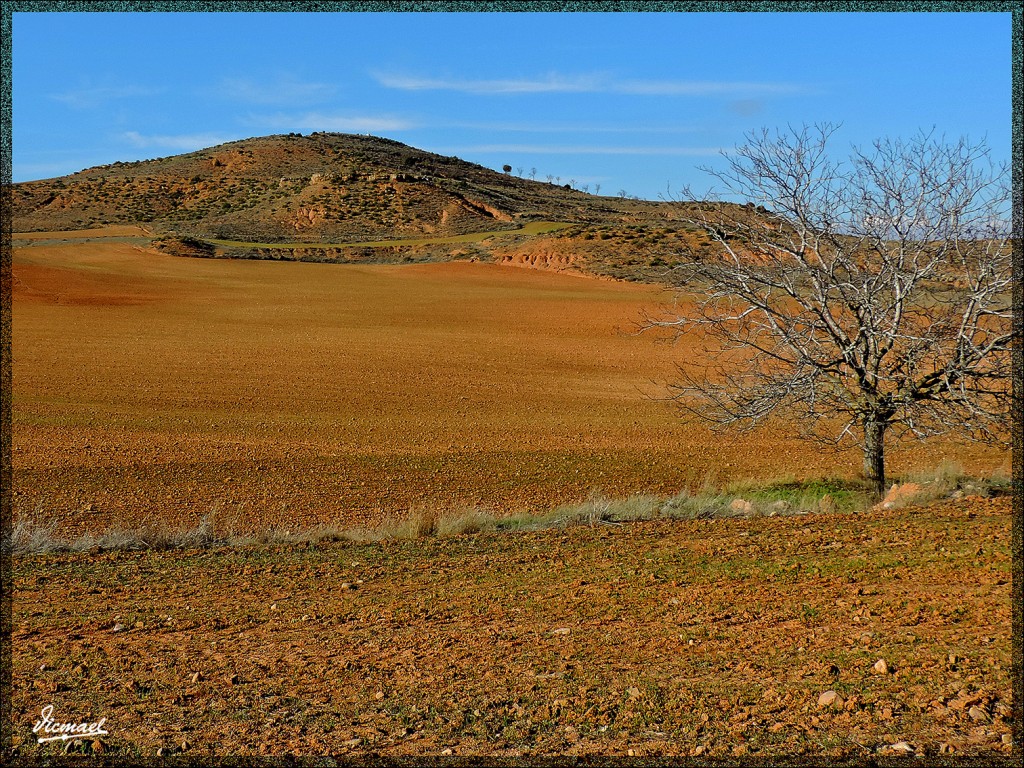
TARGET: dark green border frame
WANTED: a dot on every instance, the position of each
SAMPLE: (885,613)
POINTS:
(623,6)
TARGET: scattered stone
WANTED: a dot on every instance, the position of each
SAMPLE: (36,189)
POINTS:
(830,699)
(977,714)
(827,505)
(880,667)
(900,494)
(741,507)
(197,677)
(378,695)
(446,751)
(356,742)
(561,631)
(118,628)
(901,746)
(273,606)
(232,679)
(1007,739)
(634,692)
(946,749)
(778,507)
(698,750)
(347,585)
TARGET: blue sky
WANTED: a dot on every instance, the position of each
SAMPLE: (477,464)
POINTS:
(632,102)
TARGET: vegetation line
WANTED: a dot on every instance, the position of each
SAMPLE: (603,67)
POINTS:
(35,535)
(532,228)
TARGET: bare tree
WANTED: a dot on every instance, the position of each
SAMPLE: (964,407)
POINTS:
(597,189)
(533,174)
(865,297)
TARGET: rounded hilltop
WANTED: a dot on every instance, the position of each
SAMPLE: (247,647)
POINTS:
(328,187)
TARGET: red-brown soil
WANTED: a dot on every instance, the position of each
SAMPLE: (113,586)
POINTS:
(148,387)
(289,395)
(712,638)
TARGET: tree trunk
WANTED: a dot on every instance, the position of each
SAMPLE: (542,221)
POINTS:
(874,454)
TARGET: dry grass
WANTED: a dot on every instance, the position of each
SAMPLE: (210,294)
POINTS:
(39,533)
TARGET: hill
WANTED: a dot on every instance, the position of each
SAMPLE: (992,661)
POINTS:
(323,187)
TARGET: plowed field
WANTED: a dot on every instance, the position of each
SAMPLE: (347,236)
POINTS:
(285,395)
(149,387)
(732,638)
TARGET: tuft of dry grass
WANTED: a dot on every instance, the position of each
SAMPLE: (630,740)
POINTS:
(38,535)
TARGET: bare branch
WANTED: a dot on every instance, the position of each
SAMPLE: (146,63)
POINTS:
(858,296)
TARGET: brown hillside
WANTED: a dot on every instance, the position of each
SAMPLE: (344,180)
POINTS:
(324,187)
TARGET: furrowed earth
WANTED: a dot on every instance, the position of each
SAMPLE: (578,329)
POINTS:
(150,388)
(713,638)
(282,395)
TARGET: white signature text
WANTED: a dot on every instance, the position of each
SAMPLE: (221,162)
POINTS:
(66,731)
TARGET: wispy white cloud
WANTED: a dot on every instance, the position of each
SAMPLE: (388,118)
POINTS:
(281,91)
(90,97)
(554,83)
(317,121)
(577,128)
(706,88)
(549,84)
(554,149)
(183,142)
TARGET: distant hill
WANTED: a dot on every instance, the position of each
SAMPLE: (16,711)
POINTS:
(325,187)
(331,188)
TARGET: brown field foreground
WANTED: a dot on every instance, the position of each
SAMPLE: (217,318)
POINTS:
(885,632)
